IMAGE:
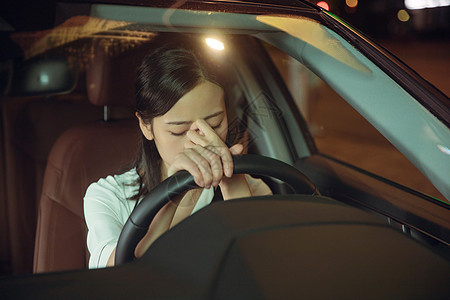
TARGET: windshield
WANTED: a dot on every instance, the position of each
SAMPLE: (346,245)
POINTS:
(296,90)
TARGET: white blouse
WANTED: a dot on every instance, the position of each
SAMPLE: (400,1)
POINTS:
(107,208)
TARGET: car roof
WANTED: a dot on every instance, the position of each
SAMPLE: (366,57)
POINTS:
(247,6)
(272,3)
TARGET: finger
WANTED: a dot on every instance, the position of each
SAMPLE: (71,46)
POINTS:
(227,160)
(215,162)
(204,127)
(209,134)
(236,149)
(183,162)
(202,164)
(197,139)
(189,145)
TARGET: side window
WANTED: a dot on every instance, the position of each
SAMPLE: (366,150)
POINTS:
(340,132)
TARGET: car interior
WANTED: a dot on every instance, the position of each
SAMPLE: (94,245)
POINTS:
(95,135)
(56,145)
(82,155)
(68,120)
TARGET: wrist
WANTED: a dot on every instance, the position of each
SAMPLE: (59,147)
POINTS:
(227,182)
(234,187)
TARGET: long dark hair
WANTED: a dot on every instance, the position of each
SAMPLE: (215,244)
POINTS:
(172,68)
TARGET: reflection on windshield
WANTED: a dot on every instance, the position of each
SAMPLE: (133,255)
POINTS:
(111,35)
(312,33)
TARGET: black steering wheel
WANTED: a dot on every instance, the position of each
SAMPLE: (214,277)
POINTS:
(140,219)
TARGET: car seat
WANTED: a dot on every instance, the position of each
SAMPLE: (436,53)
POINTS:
(82,155)
(30,126)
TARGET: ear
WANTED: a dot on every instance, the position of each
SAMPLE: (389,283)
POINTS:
(145,128)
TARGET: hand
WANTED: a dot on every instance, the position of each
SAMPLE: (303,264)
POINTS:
(206,157)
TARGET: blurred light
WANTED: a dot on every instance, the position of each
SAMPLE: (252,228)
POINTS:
(351,3)
(420,4)
(215,44)
(444,149)
(44,78)
(403,15)
(323,4)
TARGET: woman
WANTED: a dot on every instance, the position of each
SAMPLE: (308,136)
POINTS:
(182,113)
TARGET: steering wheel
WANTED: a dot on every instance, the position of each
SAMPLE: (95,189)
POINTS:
(140,219)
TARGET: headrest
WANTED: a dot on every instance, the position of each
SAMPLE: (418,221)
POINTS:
(110,78)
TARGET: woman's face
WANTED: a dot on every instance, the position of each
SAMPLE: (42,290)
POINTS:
(205,101)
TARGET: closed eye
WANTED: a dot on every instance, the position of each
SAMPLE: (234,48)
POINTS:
(184,132)
(178,134)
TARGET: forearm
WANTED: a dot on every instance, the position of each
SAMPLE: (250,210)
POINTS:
(111,259)
(160,224)
(235,187)
(143,245)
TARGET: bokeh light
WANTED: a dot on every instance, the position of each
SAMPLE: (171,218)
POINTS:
(351,3)
(403,15)
(324,5)
(421,4)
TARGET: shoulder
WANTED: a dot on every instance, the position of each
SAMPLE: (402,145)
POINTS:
(121,186)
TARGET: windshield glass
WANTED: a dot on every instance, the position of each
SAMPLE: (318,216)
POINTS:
(313,46)
(370,91)
(295,90)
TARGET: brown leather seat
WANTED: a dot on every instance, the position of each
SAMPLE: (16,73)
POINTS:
(81,156)
(31,126)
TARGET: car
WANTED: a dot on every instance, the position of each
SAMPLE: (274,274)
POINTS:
(354,144)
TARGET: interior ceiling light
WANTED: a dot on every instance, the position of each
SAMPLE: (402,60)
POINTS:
(215,44)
